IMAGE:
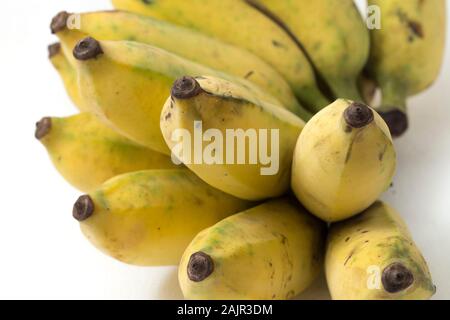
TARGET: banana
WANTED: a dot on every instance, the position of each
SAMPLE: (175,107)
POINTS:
(406,54)
(87,153)
(237,23)
(67,73)
(68,37)
(373,257)
(192,45)
(229,113)
(332,33)
(126,83)
(148,218)
(273,251)
(343,161)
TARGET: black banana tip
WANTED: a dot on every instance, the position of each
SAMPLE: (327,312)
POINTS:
(186,88)
(358,115)
(397,122)
(43,127)
(59,22)
(83,208)
(200,266)
(396,277)
(87,48)
(54,49)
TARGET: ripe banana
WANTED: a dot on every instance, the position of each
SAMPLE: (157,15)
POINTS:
(126,83)
(67,73)
(119,25)
(87,153)
(237,23)
(273,251)
(332,33)
(372,256)
(148,218)
(343,161)
(406,54)
(68,37)
(232,113)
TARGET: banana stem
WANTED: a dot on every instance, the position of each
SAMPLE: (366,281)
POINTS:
(393,109)
(346,89)
(312,99)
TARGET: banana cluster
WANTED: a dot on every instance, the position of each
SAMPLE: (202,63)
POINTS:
(298,75)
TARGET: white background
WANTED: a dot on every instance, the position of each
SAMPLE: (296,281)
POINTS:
(42,252)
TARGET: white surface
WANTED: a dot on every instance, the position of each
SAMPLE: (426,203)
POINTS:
(42,252)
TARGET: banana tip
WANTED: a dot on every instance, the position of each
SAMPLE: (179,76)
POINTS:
(54,49)
(358,115)
(396,277)
(83,208)
(43,127)
(200,266)
(397,122)
(87,48)
(186,88)
(59,22)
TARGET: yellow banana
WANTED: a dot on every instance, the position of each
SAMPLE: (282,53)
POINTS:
(119,25)
(332,33)
(373,257)
(343,161)
(229,113)
(273,251)
(67,73)
(148,218)
(126,83)
(87,153)
(68,37)
(406,53)
(237,23)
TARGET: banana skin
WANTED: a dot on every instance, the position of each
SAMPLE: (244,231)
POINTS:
(192,45)
(87,153)
(406,54)
(237,23)
(343,161)
(273,251)
(332,34)
(126,84)
(148,218)
(373,257)
(67,73)
(222,106)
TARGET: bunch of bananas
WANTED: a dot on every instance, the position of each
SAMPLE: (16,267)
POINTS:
(306,70)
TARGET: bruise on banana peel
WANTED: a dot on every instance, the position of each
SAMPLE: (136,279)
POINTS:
(213,53)
(343,161)
(373,256)
(224,106)
(126,84)
(239,24)
(87,153)
(148,218)
(272,251)
(406,54)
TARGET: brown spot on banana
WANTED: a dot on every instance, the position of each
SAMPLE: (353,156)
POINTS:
(54,49)
(186,88)
(43,128)
(200,266)
(59,22)
(87,48)
(396,277)
(83,208)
